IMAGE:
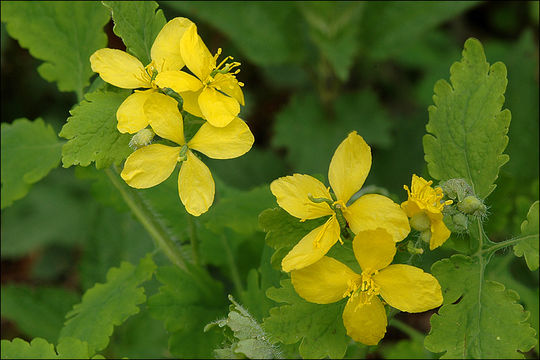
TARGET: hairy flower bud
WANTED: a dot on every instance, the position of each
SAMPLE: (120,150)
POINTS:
(472,205)
(456,189)
(141,138)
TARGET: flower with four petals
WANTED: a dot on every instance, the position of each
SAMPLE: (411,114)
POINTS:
(152,164)
(305,197)
(404,287)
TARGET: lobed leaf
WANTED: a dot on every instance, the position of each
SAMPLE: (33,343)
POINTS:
(319,327)
(138,24)
(38,348)
(92,134)
(529,246)
(107,305)
(29,151)
(479,318)
(467,129)
(61,33)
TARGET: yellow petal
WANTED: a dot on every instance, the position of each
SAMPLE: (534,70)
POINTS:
(312,247)
(365,322)
(195,185)
(349,166)
(411,207)
(218,109)
(292,194)
(179,81)
(164,117)
(324,282)
(374,249)
(373,211)
(165,51)
(130,114)
(150,165)
(120,69)
(227,142)
(408,288)
(191,102)
(229,85)
(439,233)
(195,54)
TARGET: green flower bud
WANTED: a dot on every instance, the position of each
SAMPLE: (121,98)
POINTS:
(425,236)
(141,138)
(472,205)
(420,222)
(456,189)
(460,222)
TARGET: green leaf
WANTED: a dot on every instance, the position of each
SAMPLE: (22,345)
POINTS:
(109,304)
(319,327)
(92,134)
(479,318)
(30,149)
(467,129)
(406,349)
(38,348)
(261,30)
(38,312)
(389,27)
(62,33)
(187,302)
(529,246)
(137,24)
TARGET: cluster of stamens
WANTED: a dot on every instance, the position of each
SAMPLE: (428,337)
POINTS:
(428,196)
(223,68)
(363,287)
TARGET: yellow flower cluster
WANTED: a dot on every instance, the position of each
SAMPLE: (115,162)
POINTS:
(213,93)
(378,224)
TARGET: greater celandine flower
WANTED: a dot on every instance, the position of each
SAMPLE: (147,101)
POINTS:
(214,92)
(125,71)
(153,164)
(424,206)
(305,197)
(404,287)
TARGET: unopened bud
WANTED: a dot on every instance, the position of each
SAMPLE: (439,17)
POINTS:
(420,221)
(425,236)
(141,138)
(456,189)
(472,205)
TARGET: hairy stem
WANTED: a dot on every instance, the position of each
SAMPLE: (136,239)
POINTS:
(506,243)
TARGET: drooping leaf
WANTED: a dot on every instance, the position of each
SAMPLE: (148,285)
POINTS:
(107,305)
(389,27)
(137,24)
(186,303)
(467,129)
(38,348)
(261,30)
(319,327)
(92,134)
(30,149)
(479,318)
(62,33)
(529,246)
(38,312)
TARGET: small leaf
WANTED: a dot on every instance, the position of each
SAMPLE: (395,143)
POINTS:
(62,33)
(92,133)
(479,318)
(529,246)
(109,304)
(38,348)
(319,327)
(30,149)
(467,129)
(137,24)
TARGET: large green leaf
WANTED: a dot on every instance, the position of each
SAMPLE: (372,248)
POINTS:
(62,33)
(261,30)
(30,149)
(109,304)
(389,27)
(529,246)
(138,24)
(38,348)
(467,129)
(187,302)
(319,327)
(479,318)
(92,134)
(38,312)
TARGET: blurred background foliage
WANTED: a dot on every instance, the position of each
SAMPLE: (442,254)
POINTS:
(313,72)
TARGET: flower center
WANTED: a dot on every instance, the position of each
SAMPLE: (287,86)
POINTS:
(150,73)
(363,288)
(429,196)
(227,75)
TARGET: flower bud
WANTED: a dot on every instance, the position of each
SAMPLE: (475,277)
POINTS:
(420,221)
(425,236)
(472,205)
(141,138)
(456,189)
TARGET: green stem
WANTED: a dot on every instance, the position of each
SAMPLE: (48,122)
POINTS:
(194,240)
(407,329)
(506,243)
(145,217)
(235,274)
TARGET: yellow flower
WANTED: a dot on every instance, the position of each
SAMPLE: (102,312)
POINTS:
(153,164)
(404,287)
(424,207)
(123,70)
(305,197)
(214,92)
